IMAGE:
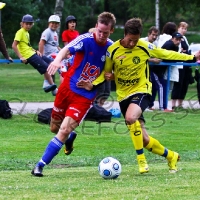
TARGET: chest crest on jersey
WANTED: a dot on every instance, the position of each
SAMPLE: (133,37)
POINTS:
(136,60)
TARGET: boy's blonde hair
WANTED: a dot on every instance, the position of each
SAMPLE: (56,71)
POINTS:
(92,30)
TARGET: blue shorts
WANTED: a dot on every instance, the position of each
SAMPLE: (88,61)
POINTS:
(39,63)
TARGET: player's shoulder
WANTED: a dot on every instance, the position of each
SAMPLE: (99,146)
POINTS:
(21,31)
(113,48)
(86,36)
(47,30)
(142,44)
(110,41)
(114,45)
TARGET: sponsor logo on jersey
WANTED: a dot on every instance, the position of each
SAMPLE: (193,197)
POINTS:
(72,108)
(55,38)
(150,46)
(57,109)
(136,60)
(128,82)
(78,46)
(136,133)
(135,98)
(128,52)
(120,57)
(103,58)
(90,72)
(76,114)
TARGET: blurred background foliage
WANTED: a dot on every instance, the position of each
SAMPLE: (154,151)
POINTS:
(87,11)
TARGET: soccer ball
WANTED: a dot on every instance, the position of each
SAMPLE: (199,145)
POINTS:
(109,168)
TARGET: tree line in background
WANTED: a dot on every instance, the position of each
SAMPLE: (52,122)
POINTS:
(87,11)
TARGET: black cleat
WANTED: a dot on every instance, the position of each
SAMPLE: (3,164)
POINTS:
(50,88)
(69,143)
(37,171)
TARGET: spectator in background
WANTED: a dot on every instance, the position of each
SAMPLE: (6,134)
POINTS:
(152,37)
(3,48)
(22,47)
(168,29)
(180,88)
(70,33)
(172,44)
(49,43)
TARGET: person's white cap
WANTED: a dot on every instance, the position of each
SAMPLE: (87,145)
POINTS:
(2,5)
(54,18)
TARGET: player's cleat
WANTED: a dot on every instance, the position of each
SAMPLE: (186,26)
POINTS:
(54,92)
(172,163)
(69,143)
(143,166)
(50,88)
(45,84)
(37,171)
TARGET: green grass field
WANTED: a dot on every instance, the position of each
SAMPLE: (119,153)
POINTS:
(23,141)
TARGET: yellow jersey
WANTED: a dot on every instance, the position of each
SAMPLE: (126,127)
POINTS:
(24,47)
(131,68)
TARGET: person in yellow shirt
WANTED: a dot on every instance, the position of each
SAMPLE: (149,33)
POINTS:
(22,47)
(128,60)
(127,63)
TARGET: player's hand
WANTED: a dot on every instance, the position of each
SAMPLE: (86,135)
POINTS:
(38,53)
(53,67)
(86,84)
(10,59)
(23,60)
(155,60)
(109,76)
(197,55)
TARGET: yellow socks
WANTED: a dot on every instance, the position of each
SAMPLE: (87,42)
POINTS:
(136,136)
(157,148)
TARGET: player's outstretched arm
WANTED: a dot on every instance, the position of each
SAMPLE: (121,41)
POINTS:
(56,64)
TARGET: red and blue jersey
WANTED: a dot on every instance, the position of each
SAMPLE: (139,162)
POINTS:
(88,62)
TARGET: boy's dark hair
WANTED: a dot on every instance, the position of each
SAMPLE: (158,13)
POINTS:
(68,19)
(169,28)
(153,29)
(133,26)
(107,18)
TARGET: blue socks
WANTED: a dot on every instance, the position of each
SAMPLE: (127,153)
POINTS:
(51,151)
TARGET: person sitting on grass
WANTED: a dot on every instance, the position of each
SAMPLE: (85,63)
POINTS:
(21,46)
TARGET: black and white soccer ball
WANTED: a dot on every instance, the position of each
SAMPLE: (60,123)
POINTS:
(109,168)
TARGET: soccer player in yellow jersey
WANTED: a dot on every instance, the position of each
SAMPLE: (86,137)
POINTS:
(127,63)
(127,59)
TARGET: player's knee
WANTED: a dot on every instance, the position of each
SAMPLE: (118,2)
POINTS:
(65,131)
(54,128)
(130,120)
